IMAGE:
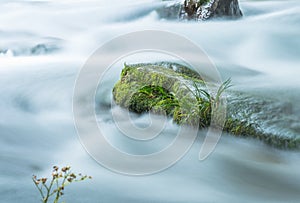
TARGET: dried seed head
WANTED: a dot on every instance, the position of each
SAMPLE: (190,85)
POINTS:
(65,169)
(55,174)
(55,168)
(44,180)
(37,182)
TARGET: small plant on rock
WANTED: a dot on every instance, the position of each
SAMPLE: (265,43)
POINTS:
(206,102)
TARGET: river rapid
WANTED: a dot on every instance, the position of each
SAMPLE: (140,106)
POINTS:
(43,46)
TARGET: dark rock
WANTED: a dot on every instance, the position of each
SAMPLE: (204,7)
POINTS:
(226,8)
(169,11)
(200,10)
(42,49)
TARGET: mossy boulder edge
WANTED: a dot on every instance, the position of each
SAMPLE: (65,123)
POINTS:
(166,88)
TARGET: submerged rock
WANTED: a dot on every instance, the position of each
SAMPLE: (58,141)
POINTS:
(169,11)
(173,89)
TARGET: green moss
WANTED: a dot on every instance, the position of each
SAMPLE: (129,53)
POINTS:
(155,98)
(125,70)
(203,2)
(245,129)
(160,89)
(182,70)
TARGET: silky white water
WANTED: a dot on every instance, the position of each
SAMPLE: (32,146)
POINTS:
(43,45)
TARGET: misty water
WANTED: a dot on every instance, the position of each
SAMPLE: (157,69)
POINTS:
(44,45)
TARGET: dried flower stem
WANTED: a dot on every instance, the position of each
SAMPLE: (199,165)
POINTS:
(47,191)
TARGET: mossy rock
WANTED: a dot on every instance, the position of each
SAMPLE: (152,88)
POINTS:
(164,81)
(167,88)
(154,98)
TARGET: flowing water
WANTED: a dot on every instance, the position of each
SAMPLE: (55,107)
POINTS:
(43,45)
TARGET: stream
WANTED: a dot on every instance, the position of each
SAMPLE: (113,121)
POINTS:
(43,46)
